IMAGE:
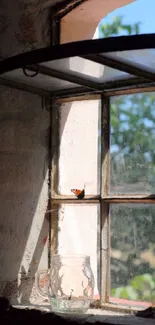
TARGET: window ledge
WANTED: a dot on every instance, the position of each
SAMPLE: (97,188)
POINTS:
(97,315)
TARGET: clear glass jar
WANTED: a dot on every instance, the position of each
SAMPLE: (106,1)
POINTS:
(69,284)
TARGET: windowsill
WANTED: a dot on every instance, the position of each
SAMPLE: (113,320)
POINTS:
(99,314)
(120,306)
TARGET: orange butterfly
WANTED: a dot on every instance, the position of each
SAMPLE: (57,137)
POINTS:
(80,194)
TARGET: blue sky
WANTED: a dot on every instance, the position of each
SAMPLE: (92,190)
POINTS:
(139,11)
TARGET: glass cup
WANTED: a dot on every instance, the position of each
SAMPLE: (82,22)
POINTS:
(69,283)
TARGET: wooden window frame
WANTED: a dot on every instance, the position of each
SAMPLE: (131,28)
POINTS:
(104,200)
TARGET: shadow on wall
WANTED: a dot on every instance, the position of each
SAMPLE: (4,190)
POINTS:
(76,235)
(24,126)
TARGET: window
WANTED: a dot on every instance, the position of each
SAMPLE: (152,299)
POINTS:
(103,140)
(107,143)
(131,189)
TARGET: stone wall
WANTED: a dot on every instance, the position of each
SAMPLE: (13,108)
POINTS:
(24,125)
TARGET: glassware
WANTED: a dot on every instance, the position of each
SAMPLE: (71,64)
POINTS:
(69,283)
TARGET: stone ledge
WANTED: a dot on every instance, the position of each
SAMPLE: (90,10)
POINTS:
(96,315)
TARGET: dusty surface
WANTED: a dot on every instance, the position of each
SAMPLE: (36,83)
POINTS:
(24,124)
(94,315)
(23,187)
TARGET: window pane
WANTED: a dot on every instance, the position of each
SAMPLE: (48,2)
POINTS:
(40,81)
(78,233)
(82,67)
(78,154)
(132,144)
(144,58)
(133,251)
(77,64)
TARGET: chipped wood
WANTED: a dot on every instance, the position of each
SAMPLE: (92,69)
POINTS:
(55,148)
(54,229)
(75,201)
(105,253)
(78,98)
(130,198)
(134,90)
(105,145)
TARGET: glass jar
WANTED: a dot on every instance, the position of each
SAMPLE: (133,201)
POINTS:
(69,283)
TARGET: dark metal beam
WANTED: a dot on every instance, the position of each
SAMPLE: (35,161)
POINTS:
(61,9)
(78,91)
(80,48)
(24,87)
(106,87)
(83,48)
(132,69)
(73,91)
(63,75)
(55,31)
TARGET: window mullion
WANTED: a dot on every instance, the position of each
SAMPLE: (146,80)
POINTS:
(55,148)
(104,207)
(105,145)
(105,253)
(130,199)
(53,244)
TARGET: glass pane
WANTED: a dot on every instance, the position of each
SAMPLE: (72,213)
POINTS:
(76,64)
(132,138)
(87,68)
(40,81)
(78,154)
(144,58)
(133,251)
(78,233)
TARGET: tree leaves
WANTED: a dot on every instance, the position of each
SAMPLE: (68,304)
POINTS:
(132,170)
(118,28)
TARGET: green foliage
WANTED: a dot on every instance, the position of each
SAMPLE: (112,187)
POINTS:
(142,287)
(132,141)
(116,27)
(132,172)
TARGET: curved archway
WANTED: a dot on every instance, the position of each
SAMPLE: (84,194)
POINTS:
(82,22)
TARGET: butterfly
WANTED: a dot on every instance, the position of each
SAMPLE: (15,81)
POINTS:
(80,194)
